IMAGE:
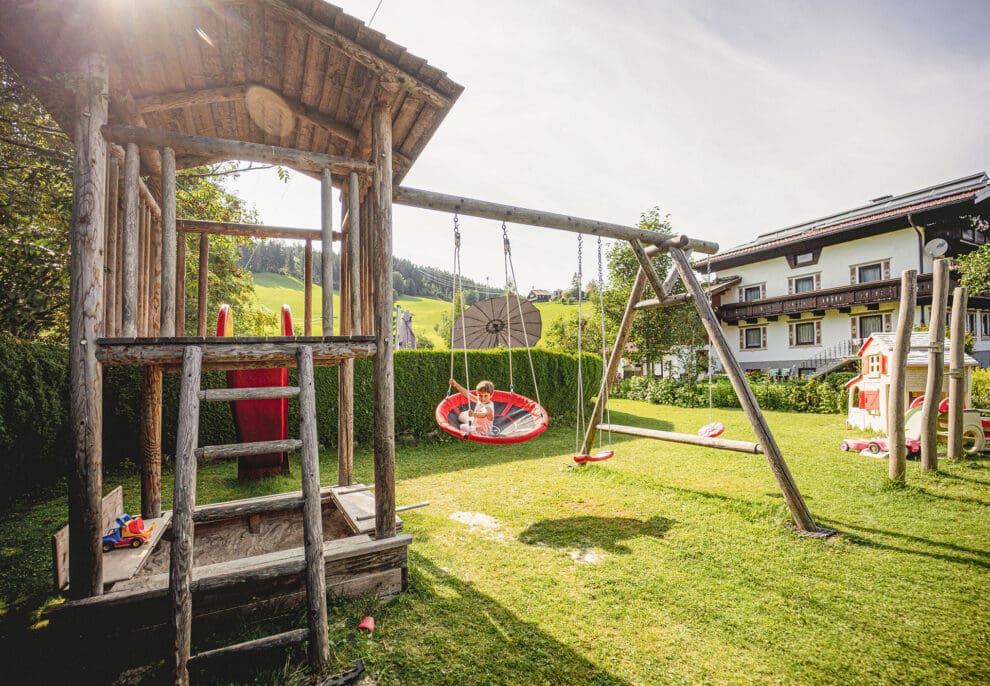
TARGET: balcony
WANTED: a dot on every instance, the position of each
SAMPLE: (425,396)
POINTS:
(842,298)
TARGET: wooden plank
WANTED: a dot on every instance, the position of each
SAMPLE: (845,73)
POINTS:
(231,355)
(690,439)
(255,393)
(957,373)
(124,563)
(302,160)
(414,197)
(110,252)
(204,281)
(308,290)
(792,496)
(230,450)
(245,507)
(111,507)
(354,245)
(936,365)
(246,648)
(251,230)
(384,372)
(326,258)
(151,442)
(180,574)
(85,322)
(316,591)
(169,237)
(357,507)
(180,285)
(154,276)
(897,400)
(130,241)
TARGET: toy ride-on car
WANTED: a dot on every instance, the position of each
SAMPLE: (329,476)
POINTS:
(878,445)
(129,533)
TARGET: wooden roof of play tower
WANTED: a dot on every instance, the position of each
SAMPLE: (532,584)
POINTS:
(293,73)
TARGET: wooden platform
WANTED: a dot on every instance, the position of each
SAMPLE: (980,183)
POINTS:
(233,353)
(124,563)
(358,507)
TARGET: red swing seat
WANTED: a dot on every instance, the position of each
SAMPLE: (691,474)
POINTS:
(600,456)
(517,418)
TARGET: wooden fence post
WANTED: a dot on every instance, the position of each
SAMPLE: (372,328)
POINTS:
(957,372)
(936,364)
(897,401)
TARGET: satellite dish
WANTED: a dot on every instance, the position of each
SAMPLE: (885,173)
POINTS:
(936,247)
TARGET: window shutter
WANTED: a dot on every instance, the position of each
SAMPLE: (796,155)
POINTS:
(854,321)
(887,326)
(818,333)
(763,337)
(886,269)
(790,335)
(852,275)
(742,339)
(883,363)
(818,282)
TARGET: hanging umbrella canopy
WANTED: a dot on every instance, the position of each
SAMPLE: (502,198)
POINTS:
(496,323)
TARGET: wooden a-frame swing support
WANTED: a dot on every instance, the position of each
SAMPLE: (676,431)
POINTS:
(676,246)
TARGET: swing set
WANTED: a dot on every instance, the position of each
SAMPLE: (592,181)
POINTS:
(644,244)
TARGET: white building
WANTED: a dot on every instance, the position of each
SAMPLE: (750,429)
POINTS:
(810,294)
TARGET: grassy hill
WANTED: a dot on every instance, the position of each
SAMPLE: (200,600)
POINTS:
(274,289)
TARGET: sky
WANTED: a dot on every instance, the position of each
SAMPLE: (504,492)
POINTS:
(735,118)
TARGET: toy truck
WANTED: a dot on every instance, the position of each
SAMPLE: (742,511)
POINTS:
(129,533)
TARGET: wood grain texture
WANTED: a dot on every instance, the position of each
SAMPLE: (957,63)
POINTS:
(130,241)
(354,246)
(764,436)
(251,230)
(326,257)
(87,242)
(316,592)
(223,355)
(255,393)
(110,252)
(180,285)
(936,364)
(897,400)
(308,291)
(204,283)
(151,442)
(957,373)
(689,439)
(169,237)
(244,649)
(208,453)
(384,373)
(111,507)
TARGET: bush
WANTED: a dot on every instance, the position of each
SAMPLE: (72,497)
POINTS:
(34,407)
(980,391)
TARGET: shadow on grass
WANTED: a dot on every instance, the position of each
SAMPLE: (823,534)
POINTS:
(603,533)
(466,637)
(968,556)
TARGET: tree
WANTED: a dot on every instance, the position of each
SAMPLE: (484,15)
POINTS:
(974,268)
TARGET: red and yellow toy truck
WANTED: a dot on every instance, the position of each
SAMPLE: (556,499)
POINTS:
(129,533)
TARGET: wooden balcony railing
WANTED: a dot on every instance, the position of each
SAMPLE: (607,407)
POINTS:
(873,293)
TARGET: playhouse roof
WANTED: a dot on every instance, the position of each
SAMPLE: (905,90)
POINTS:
(294,73)
(918,353)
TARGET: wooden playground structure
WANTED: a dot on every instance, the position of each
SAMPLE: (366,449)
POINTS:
(157,87)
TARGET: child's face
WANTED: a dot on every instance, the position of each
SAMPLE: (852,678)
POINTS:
(484,396)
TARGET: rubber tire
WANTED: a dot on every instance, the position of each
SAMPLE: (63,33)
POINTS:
(107,547)
(844,447)
(873,448)
(136,543)
(972,440)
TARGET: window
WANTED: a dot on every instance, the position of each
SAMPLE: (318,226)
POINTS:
(804,333)
(870,324)
(804,258)
(971,322)
(985,331)
(753,338)
(869,272)
(804,284)
(751,293)
(873,365)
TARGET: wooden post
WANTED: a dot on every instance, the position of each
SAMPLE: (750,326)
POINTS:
(354,247)
(151,442)
(367,270)
(184,501)
(110,256)
(897,401)
(204,279)
(132,163)
(316,591)
(326,259)
(957,373)
(85,322)
(936,364)
(142,269)
(792,496)
(381,146)
(625,327)
(308,290)
(154,275)
(180,285)
(169,247)
(118,295)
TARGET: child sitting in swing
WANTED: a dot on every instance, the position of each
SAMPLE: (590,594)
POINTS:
(481,419)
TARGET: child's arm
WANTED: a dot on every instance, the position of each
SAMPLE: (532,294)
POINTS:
(464,391)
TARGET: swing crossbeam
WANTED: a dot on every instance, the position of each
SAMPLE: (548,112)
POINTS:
(691,439)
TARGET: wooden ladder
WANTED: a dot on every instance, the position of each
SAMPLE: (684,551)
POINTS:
(187,453)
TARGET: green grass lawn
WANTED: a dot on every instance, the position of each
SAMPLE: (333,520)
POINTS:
(666,564)
(275,289)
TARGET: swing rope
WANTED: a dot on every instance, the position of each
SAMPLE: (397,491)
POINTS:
(515,289)
(580,378)
(458,285)
(506,257)
(604,386)
(708,289)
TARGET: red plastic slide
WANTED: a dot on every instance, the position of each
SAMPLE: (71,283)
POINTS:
(259,420)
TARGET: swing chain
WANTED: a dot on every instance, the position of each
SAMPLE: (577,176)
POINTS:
(457,233)
(505,241)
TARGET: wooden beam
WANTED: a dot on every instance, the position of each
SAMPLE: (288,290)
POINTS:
(354,246)
(651,273)
(89,187)
(237,92)
(345,384)
(204,282)
(384,373)
(936,363)
(143,190)
(251,230)
(131,242)
(689,439)
(110,253)
(326,258)
(415,87)
(180,285)
(957,373)
(244,354)
(169,239)
(429,200)
(897,400)
(151,442)
(792,496)
(227,451)
(246,649)
(308,291)
(236,150)
(679,298)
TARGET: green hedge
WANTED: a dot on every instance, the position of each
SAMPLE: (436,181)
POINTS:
(34,432)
